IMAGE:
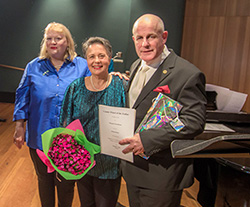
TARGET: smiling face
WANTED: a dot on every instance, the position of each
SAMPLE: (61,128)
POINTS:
(56,44)
(149,38)
(98,59)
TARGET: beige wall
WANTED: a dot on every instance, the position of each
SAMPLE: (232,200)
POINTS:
(216,38)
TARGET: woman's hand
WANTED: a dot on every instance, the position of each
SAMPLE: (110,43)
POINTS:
(19,134)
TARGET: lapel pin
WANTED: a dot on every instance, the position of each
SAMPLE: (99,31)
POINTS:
(164,71)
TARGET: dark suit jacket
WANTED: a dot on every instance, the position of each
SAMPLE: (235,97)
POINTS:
(187,86)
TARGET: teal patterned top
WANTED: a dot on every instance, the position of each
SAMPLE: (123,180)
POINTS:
(80,103)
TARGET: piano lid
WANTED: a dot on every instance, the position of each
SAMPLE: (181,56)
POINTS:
(220,116)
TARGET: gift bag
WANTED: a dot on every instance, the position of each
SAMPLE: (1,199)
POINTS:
(163,110)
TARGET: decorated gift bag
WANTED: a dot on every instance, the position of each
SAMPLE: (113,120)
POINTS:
(163,110)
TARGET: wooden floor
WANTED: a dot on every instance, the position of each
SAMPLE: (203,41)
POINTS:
(18,183)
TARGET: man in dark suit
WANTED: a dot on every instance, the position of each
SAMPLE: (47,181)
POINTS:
(159,181)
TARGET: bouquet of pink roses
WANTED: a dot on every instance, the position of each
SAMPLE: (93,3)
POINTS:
(68,151)
(68,155)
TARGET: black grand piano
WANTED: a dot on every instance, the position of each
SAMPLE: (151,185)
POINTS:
(221,160)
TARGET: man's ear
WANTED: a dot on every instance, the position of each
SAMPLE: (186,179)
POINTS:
(165,36)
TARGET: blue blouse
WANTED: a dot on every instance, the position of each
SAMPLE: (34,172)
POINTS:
(80,103)
(40,93)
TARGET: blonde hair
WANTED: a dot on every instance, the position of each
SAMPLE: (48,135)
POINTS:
(57,27)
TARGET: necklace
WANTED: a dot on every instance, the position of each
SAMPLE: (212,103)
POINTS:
(92,84)
(57,66)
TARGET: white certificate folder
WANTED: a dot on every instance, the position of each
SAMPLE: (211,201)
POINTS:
(116,123)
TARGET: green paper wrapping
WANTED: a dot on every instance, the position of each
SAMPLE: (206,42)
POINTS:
(79,136)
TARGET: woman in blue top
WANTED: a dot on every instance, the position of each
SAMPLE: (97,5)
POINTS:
(39,99)
(101,185)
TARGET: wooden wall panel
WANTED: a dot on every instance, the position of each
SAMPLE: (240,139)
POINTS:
(202,8)
(218,8)
(203,45)
(235,50)
(238,8)
(216,38)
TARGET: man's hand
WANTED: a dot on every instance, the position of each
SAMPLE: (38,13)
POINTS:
(121,75)
(135,144)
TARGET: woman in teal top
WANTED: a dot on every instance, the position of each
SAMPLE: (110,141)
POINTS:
(101,185)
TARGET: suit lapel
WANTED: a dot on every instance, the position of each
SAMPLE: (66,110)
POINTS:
(133,71)
(135,66)
(160,74)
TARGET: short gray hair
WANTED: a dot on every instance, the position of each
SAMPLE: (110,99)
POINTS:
(98,40)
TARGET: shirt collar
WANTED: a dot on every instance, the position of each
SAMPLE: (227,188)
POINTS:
(67,60)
